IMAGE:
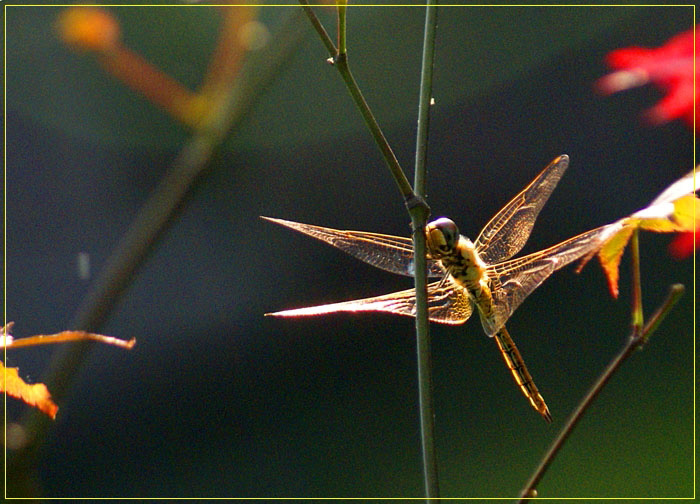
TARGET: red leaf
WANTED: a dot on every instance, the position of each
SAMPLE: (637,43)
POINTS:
(683,245)
(670,67)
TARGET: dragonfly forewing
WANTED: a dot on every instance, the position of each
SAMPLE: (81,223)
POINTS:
(506,233)
(390,253)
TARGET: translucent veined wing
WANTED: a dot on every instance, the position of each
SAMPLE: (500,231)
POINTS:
(506,233)
(390,253)
(447,304)
(512,281)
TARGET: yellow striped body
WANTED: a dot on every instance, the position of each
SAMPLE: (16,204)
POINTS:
(468,270)
(522,377)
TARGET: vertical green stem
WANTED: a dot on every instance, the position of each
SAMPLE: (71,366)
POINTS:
(426,88)
(637,311)
(419,215)
(415,202)
(342,10)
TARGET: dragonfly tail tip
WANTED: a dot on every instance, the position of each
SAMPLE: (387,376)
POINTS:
(547,415)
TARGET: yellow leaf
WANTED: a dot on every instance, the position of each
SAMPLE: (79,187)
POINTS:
(669,217)
(36,395)
(687,212)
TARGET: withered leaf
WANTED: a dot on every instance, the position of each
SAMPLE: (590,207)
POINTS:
(36,394)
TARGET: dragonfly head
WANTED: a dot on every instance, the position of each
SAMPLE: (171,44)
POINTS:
(441,237)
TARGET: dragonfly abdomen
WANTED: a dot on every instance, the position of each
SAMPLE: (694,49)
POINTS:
(516,364)
(483,299)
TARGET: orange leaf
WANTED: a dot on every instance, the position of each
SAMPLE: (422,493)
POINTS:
(610,255)
(36,395)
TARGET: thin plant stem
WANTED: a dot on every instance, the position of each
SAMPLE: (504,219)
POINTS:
(634,342)
(322,33)
(157,215)
(419,215)
(415,202)
(342,11)
(340,61)
(425,99)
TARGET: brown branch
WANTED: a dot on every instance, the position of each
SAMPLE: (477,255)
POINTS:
(634,342)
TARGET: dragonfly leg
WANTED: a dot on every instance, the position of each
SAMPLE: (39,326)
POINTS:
(516,364)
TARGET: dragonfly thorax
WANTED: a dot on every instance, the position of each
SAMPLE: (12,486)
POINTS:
(456,253)
(465,265)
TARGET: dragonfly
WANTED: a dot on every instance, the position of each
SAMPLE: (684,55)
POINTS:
(479,274)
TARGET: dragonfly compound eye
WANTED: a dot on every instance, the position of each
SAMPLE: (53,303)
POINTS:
(441,235)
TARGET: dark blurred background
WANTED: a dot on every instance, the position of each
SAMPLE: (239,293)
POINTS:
(217,401)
